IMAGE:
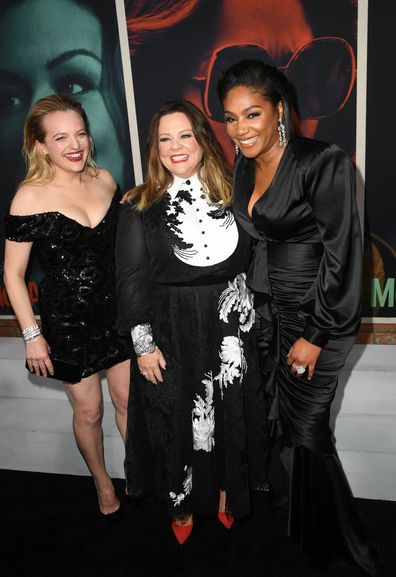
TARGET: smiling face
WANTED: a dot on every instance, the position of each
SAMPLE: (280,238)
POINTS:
(251,121)
(178,148)
(279,30)
(66,141)
(53,47)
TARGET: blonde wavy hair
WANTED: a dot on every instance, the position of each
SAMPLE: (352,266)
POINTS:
(39,166)
(213,174)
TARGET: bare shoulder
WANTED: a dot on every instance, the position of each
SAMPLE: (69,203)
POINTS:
(28,200)
(107,179)
(103,183)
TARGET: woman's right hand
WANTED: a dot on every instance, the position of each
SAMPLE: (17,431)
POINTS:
(150,366)
(37,356)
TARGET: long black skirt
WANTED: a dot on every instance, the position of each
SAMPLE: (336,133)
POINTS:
(202,430)
(304,469)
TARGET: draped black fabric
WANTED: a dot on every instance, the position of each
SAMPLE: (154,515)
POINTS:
(306,272)
(311,200)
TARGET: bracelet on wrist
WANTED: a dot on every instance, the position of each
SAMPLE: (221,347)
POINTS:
(32,339)
(148,352)
(142,339)
(29,329)
(31,333)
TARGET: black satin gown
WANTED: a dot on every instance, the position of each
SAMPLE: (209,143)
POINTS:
(77,293)
(306,272)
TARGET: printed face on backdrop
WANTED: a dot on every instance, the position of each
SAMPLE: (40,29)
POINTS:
(52,47)
(178,148)
(322,70)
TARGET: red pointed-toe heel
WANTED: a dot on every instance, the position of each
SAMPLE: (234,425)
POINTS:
(182,532)
(226,519)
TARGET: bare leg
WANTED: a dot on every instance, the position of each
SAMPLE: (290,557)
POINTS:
(118,381)
(222,502)
(224,516)
(87,403)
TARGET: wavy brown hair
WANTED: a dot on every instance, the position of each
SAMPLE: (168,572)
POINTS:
(39,166)
(213,174)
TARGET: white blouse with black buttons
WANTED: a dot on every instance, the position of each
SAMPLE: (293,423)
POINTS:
(182,240)
(211,231)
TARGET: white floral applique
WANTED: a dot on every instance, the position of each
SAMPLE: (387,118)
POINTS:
(187,487)
(203,419)
(237,297)
(233,362)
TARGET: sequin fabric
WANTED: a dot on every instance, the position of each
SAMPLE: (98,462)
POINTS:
(76,294)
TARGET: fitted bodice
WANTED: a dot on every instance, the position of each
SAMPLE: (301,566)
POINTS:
(77,292)
(310,201)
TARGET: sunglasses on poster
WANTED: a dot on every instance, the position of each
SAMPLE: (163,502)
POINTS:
(322,71)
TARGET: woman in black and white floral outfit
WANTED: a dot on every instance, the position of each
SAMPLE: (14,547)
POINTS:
(195,426)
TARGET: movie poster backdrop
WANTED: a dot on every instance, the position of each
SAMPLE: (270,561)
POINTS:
(181,51)
(70,47)
(380,220)
(177,49)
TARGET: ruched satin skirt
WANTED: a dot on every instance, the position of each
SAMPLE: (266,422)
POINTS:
(322,513)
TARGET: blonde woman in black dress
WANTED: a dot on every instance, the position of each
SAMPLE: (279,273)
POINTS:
(68,208)
(296,197)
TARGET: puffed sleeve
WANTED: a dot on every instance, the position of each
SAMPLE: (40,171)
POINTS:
(331,307)
(132,259)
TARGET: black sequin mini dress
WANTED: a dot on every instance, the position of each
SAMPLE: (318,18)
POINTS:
(77,293)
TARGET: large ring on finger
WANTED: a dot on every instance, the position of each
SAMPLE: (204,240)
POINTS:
(35,364)
(298,368)
(144,373)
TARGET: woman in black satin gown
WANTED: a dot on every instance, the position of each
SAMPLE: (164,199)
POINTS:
(296,197)
(68,209)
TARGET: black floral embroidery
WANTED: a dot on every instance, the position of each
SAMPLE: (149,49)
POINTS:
(219,213)
(185,195)
(164,216)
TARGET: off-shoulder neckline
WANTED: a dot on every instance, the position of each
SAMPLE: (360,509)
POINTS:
(68,217)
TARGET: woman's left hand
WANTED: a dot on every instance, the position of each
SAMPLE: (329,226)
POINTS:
(150,366)
(303,354)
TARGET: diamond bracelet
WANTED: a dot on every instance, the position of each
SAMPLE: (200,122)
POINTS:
(142,338)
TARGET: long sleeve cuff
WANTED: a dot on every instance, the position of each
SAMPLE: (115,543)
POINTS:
(315,336)
(142,339)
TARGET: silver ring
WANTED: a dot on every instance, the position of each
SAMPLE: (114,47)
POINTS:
(144,374)
(35,364)
(298,368)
